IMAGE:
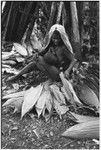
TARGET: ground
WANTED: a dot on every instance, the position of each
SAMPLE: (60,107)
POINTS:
(34,133)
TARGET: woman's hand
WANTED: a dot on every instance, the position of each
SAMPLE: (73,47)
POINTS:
(35,56)
(67,73)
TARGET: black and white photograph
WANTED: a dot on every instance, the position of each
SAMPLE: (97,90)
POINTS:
(50,64)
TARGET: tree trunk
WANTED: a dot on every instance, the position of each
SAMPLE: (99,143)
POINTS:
(50,22)
(64,16)
(14,17)
(75,27)
(52,15)
(59,12)
(31,24)
(24,21)
(79,5)
(6,26)
(75,31)
(85,36)
(5,13)
(68,26)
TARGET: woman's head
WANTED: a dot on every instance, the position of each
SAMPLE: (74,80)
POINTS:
(57,35)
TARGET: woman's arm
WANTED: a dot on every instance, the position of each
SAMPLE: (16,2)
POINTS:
(72,59)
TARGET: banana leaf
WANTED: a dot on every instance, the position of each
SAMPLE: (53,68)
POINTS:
(86,130)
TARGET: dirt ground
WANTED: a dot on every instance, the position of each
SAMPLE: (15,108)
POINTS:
(34,133)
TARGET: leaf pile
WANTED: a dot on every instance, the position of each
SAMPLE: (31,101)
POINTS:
(40,98)
(52,96)
(87,84)
(17,55)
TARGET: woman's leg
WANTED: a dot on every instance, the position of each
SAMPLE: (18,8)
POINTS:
(31,66)
(51,71)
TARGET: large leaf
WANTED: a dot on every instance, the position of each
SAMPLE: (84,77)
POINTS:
(36,43)
(88,96)
(30,98)
(20,49)
(92,81)
(43,111)
(9,62)
(7,55)
(41,102)
(88,129)
(69,89)
(65,93)
(59,107)
(6,66)
(92,86)
(14,95)
(20,59)
(14,102)
(49,102)
(82,118)
(57,93)
(30,50)
(10,70)
(58,100)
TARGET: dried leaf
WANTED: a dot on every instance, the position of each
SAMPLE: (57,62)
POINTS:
(92,86)
(14,95)
(60,108)
(10,91)
(69,90)
(20,49)
(7,55)
(30,50)
(14,102)
(88,96)
(88,129)
(5,66)
(82,118)
(73,92)
(96,141)
(43,111)
(41,102)
(15,86)
(20,59)
(57,93)
(10,70)
(36,43)
(39,111)
(49,102)
(14,128)
(65,93)
(9,62)
(58,101)
(36,133)
(30,98)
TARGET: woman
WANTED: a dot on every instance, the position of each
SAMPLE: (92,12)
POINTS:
(56,55)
